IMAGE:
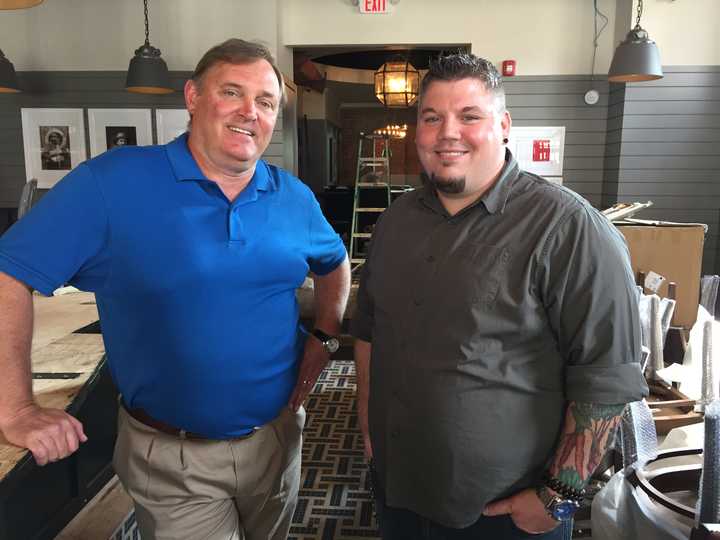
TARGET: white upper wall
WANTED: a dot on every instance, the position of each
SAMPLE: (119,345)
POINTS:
(544,36)
(686,31)
(83,35)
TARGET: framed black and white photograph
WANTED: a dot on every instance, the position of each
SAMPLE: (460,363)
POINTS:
(171,123)
(110,128)
(54,143)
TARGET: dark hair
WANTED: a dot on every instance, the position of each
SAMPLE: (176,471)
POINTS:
(237,51)
(461,65)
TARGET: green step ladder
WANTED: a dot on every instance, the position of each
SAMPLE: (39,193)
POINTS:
(372,193)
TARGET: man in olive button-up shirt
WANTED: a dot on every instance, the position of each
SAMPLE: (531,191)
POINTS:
(497,331)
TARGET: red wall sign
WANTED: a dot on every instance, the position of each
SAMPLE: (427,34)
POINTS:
(541,150)
(374,6)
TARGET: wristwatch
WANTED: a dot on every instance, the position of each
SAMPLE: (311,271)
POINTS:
(330,343)
(557,508)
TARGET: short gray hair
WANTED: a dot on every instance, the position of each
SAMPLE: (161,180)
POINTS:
(461,65)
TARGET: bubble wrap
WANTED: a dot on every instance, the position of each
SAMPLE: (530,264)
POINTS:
(638,438)
(709,503)
(709,392)
(655,317)
(708,294)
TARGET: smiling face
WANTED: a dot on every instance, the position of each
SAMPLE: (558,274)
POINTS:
(233,108)
(460,136)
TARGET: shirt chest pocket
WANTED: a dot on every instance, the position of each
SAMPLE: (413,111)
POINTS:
(479,271)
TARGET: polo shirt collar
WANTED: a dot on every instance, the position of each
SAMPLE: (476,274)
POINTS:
(186,168)
(494,199)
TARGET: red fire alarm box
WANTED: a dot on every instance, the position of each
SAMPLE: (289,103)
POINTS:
(508,68)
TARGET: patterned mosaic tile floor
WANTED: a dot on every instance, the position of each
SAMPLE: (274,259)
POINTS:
(334,502)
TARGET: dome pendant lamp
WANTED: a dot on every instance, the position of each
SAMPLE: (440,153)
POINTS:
(637,58)
(148,73)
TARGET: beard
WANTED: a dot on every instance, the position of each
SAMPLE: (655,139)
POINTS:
(449,186)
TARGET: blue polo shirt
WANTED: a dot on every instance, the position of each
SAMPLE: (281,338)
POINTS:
(196,294)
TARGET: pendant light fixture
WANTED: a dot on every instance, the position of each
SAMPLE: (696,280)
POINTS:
(637,58)
(397,83)
(148,73)
(8,78)
(19,4)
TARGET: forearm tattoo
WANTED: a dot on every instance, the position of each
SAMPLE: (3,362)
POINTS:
(586,435)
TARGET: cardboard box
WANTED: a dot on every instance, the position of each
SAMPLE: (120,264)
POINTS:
(673,250)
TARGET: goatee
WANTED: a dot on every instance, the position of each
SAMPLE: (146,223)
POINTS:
(450,186)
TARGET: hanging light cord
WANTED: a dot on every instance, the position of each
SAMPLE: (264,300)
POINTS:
(147,25)
(639,14)
(597,35)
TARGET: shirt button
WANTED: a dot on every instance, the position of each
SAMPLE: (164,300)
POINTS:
(430,258)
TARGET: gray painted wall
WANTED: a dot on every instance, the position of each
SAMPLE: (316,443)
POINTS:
(83,90)
(657,140)
(663,145)
(559,101)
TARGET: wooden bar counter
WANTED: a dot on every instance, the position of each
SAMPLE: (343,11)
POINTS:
(69,372)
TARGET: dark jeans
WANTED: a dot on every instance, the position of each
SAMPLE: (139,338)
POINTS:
(401,524)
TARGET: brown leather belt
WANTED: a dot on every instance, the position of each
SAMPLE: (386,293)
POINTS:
(144,418)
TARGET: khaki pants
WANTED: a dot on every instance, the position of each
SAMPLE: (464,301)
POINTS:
(224,490)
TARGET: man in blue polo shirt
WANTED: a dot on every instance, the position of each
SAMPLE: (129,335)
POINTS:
(194,251)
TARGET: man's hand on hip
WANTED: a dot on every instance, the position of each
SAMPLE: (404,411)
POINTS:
(526,510)
(50,434)
(313,362)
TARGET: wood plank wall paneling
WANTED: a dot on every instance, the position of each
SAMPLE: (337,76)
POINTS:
(86,90)
(657,140)
(664,146)
(559,101)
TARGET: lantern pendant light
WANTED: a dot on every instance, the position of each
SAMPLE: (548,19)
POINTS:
(397,83)
(148,73)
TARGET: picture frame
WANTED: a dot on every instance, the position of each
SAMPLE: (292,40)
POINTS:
(539,150)
(53,142)
(171,123)
(118,127)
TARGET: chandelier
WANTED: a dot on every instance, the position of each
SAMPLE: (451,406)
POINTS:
(396,83)
(392,131)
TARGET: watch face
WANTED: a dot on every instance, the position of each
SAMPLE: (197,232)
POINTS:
(332,345)
(563,510)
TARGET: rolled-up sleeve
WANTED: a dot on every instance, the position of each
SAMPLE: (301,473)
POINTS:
(591,302)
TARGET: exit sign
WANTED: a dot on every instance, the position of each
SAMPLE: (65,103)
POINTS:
(374,6)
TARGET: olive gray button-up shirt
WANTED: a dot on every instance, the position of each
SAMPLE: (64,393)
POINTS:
(483,325)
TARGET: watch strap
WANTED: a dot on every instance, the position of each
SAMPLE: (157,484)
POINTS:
(330,343)
(322,336)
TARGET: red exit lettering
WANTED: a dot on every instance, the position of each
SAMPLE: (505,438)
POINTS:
(373,6)
(541,150)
